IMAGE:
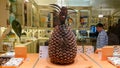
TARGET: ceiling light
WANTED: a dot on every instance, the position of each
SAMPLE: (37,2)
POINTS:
(26,0)
(100,15)
(86,0)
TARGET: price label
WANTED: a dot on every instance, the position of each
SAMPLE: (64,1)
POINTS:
(43,52)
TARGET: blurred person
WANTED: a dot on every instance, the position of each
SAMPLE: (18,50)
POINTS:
(112,38)
(102,38)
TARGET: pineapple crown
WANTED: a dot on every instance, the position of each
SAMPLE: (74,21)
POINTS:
(62,12)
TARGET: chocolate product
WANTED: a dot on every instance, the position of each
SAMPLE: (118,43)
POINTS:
(3,60)
(62,44)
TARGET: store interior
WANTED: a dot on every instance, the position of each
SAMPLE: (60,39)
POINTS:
(29,34)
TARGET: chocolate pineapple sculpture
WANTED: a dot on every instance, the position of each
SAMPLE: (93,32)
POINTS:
(62,44)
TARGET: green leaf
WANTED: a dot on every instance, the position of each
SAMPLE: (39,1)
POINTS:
(17,28)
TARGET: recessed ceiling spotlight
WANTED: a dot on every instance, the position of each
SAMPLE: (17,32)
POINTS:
(100,15)
(26,0)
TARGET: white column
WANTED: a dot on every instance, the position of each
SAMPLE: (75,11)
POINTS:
(78,19)
(29,14)
(20,11)
(51,21)
(90,17)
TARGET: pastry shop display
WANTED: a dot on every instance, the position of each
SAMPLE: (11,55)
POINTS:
(116,54)
(14,62)
(88,49)
(114,60)
(8,54)
(3,60)
(79,49)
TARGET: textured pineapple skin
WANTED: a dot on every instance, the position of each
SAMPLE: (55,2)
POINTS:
(62,45)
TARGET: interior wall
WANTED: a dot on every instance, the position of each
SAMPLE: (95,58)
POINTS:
(4,13)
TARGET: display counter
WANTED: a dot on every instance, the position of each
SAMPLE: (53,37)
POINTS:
(81,61)
(13,62)
(31,46)
(101,63)
(30,61)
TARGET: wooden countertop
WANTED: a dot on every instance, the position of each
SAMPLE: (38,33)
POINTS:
(81,61)
(103,64)
(30,61)
(94,65)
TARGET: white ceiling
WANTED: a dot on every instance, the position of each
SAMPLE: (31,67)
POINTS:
(106,7)
(64,2)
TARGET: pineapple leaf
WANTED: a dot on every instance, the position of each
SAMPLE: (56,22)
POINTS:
(55,5)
